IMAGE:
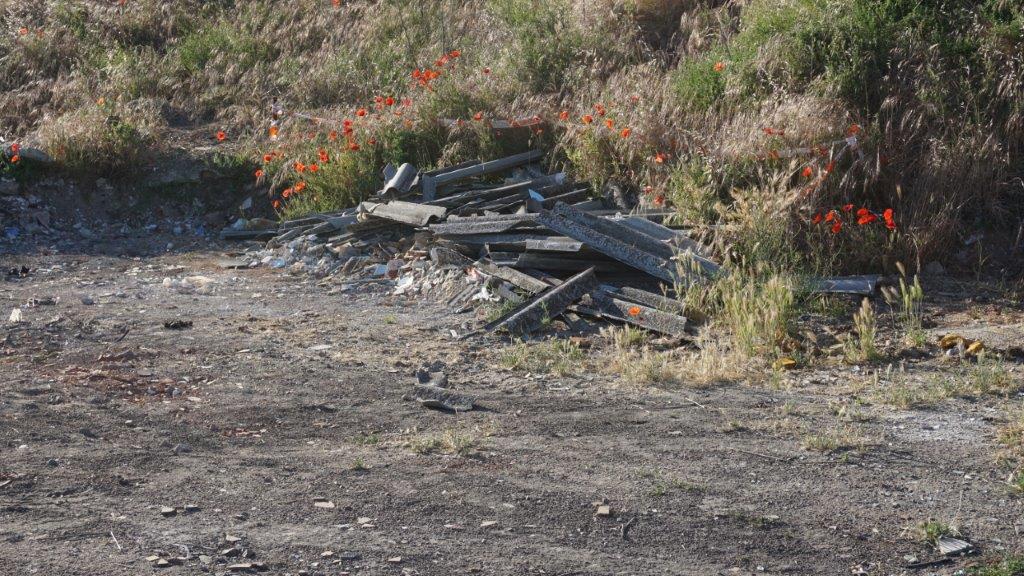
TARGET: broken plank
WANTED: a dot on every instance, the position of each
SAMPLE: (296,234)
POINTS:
(654,265)
(512,276)
(859,285)
(635,314)
(410,213)
(549,304)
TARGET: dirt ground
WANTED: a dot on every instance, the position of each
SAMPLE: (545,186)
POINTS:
(280,430)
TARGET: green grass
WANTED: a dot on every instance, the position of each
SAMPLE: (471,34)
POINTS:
(1011,566)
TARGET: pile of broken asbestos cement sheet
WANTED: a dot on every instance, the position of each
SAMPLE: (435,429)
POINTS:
(537,241)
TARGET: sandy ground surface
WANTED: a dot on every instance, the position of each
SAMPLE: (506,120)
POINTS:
(280,430)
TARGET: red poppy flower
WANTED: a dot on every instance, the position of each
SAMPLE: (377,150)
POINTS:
(862,212)
(389,101)
(660,158)
(361,112)
(332,135)
(847,207)
(634,311)
(831,216)
(625,132)
(15,148)
(817,218)
(837,227)
(416,74)
(22,31)
(587,119)
(259,174)
(768,131)
(299,166)
(455,53)
(300,186)
(478,116)
(372,141)
(659,200)
(276,204)
(15,159)
(866,219)
(563,115)
(267,158)
(324,158)
(888,214)
(719,66)
(353,146)
(807,172)
(600,109)
(853,130)
(890,224)
(287,192)
(314,168)
(609,123)
(829,167)
(221,136)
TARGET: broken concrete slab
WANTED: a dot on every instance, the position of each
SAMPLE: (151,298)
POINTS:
(410,213)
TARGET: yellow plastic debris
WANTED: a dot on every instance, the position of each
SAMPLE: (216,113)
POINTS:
(975,348)
(785,363)
(951,341)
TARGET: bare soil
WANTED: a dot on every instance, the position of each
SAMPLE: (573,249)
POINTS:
(286,392)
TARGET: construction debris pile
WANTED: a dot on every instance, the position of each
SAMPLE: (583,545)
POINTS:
(535,240)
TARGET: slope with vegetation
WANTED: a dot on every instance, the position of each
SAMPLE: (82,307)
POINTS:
(692,103)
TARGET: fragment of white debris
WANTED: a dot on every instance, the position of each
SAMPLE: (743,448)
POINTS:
(16,316)
(191,284)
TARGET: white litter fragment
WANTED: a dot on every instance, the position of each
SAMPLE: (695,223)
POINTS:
(190,284)
(16,316)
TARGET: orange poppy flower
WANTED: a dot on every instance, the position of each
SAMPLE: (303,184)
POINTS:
(221,136)
(807,172)
(286,192)
(455,53)
(336,3)
(719,66)
(626,132)
(831,216)
(324,158)
(361,112)
(273,131)
(478,116)
(276,204)
(587,119)
(353,146)
(817,218)
(853,130)
(314,168)
(563,115)
(332,135)
(863,212)
(299,166)
(609,123)
(267,158)
(659,200)
(888,214)
(15,148)
(660,158)
(600,109)
(15,159)
(890,224)
(837,227)
(300,186)
(259,174)
(634,311)
(866,219)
